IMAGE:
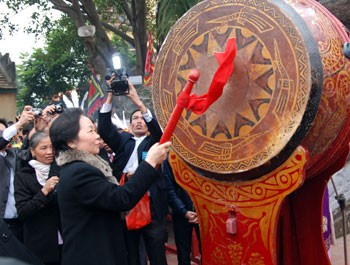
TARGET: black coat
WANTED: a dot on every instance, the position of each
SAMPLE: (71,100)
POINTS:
(40,215)
(11,247)
(123,145)
(14,159)
(179,200)
(91,212)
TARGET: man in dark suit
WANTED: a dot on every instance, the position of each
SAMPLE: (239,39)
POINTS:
(184,216)
(10,160)
(130,149)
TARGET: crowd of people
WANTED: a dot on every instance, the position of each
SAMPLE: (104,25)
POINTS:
(61,198)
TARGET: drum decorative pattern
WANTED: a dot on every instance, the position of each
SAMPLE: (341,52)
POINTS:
(330,131)
(262,104)
(255,204)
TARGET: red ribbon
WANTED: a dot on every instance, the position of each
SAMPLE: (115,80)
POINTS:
(199,104)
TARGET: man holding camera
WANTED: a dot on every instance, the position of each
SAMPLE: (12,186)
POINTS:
(130,149)
(10,160)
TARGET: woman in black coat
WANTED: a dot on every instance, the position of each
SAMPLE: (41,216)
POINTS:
(36,201)
(92,204)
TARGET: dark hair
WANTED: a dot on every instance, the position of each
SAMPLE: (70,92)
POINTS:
(36,138)
(65,128)
(4,122)
(132,113)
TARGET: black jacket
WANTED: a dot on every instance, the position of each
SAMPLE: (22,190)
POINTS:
(91,212)
(123,145)
(179,200)
(14,159)
(39,213)
(10,246)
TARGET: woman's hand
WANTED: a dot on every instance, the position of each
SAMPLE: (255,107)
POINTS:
(50,185)
(158,153)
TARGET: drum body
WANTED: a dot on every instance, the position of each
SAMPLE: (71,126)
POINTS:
(290,86)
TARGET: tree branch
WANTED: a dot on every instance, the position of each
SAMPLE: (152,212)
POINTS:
(127,11)
(119,33)
(61,6)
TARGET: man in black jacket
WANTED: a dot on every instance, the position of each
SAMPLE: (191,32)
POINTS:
(130,149)
(10,160)
(184,216)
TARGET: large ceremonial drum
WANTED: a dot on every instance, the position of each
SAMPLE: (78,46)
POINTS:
(290,86)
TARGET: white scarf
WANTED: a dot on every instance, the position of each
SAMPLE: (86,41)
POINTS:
(41,171)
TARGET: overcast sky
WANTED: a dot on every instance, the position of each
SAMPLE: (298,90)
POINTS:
(20,42)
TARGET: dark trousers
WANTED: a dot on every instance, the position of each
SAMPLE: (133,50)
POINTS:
(154,237)
(183,238)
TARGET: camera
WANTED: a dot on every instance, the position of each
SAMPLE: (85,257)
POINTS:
(119,84)
(37,112)
(58,108)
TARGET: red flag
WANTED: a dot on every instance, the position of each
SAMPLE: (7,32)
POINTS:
(96,95)
(150,62)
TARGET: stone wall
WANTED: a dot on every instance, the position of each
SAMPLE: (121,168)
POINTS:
(341,181)
(338,221)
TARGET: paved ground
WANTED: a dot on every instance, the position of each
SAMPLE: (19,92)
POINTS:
(337,251)
(171,256)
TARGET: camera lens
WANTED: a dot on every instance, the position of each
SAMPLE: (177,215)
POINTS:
(58,108)
(37,112)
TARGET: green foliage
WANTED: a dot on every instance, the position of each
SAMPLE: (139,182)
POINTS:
(110,11)
(127,53)
(151,15)
(62,64)
(41,21)
(57,68)
(169,11)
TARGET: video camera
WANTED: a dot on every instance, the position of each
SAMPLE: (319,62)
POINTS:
(58,110)
(119,84)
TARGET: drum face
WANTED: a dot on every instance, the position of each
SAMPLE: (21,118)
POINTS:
(269,103)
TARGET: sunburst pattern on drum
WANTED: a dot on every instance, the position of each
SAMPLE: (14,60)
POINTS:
(264,100)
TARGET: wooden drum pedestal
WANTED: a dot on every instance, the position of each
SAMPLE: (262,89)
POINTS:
(254,205)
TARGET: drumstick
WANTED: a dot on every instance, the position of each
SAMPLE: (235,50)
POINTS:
(176,114)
